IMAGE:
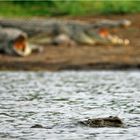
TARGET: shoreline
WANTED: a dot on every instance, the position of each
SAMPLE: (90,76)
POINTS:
(37,66)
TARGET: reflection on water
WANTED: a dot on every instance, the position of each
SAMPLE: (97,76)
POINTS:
(58,100)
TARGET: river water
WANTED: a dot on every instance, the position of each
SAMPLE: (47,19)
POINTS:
(58,100)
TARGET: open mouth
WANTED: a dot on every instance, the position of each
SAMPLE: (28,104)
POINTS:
(113,39)
(104,32)
(20,46)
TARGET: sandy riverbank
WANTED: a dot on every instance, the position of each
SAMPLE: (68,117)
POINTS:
(83,57)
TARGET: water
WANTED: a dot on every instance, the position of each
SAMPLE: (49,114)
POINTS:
(59,100)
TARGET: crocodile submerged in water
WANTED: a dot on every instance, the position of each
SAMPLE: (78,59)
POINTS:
(103,122)
(52,31)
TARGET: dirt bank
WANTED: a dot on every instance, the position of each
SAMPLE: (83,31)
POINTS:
(83,57)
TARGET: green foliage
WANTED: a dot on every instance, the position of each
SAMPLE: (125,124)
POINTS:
(67,7)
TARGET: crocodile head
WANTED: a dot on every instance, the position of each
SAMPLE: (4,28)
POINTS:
(14,42)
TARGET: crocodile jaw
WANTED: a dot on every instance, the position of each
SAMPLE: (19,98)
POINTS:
(23,52)
(21,47)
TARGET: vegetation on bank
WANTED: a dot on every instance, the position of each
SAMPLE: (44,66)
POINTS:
(67,7)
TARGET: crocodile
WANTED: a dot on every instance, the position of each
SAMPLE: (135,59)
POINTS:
(53,31)
(110,121)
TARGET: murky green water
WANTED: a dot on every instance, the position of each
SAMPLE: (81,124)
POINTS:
(58,100)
